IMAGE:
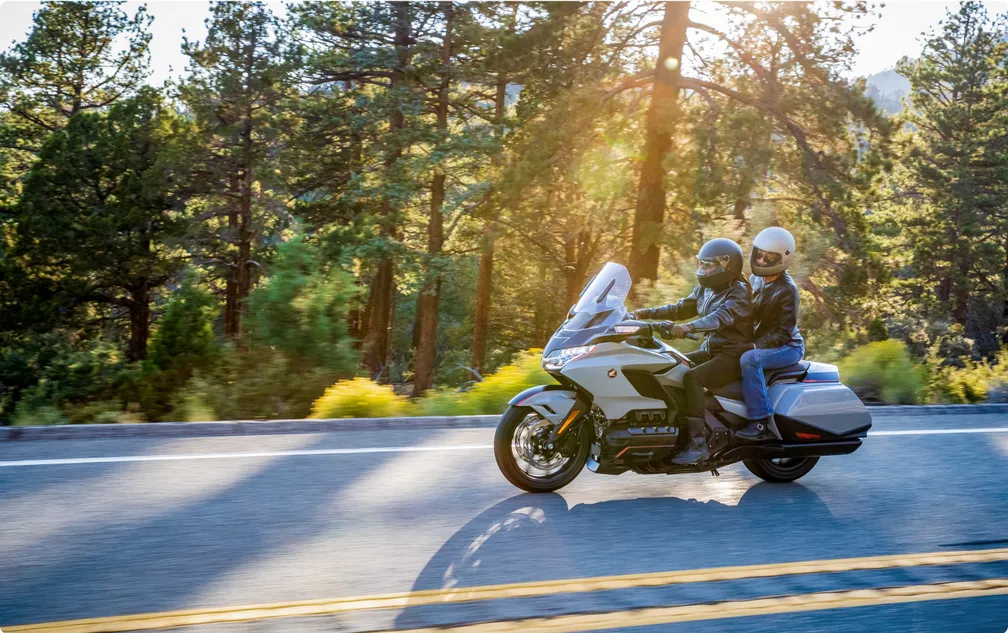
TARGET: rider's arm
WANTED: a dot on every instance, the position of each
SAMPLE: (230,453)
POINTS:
(682,309)
(737,304)
(786,314)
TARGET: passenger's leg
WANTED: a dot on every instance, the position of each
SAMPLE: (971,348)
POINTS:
(754,389)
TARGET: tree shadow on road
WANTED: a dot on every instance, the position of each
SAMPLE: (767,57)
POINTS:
(162,560)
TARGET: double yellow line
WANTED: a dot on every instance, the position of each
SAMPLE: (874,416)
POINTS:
(585,622)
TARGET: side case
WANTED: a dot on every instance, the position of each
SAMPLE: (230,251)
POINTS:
(831,407)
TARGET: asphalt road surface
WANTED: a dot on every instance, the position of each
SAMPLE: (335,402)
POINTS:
(298,523)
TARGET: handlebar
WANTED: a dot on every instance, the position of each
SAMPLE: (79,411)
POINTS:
(652,330)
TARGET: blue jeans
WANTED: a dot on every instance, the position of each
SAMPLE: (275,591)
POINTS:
(754,388)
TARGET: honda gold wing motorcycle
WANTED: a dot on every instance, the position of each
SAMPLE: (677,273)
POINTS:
(619,400)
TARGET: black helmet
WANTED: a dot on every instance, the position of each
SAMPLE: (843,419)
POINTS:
(718,263)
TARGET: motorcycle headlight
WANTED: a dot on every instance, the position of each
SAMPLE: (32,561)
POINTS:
(561,357)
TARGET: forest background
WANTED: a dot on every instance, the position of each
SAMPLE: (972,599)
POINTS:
(379,208)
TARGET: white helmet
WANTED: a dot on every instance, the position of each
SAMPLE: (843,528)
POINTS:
(772,251)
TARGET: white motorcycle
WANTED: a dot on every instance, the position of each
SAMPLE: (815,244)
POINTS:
(618,402)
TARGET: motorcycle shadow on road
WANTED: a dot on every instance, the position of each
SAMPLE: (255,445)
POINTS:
(538,537)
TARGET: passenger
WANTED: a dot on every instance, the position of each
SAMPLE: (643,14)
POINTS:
(723,304)
(777,341)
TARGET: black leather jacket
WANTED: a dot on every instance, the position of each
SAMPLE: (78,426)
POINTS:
(725,315)
(775,309)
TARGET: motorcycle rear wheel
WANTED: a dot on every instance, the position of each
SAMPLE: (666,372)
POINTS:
(782,470)
(527,465)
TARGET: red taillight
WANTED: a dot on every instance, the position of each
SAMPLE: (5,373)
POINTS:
(808,436)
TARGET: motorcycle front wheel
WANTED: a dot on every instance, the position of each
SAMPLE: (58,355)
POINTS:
(525,458)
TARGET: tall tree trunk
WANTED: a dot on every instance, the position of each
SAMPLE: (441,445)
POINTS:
(663,111)
(381,298)
(1004,284)
(541,308)
(484,281)
(244,257)
(484,287)
(139,312)
(740,207)
(578,261)
(239,289)
(429,301)
(231,318)
(962,291)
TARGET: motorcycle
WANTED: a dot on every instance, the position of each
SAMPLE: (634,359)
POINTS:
(618,406)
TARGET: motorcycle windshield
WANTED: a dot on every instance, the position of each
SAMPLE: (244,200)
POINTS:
(599,308)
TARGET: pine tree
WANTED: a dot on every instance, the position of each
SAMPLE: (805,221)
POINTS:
(78,56)
(99,220)
(952,180)
(235,86)
(781,61)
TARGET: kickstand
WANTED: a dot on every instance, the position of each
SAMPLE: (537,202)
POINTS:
(715,472)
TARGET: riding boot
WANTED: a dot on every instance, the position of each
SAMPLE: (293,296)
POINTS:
(758,430)
(696,449)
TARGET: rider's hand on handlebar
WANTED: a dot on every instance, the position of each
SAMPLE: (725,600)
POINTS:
(668,329)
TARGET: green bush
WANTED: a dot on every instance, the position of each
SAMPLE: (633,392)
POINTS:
(72,375)
(883,372)
(260,384)
(493,393)
(183,337)
(45,415)
(972,382)
(360,398)
(301,311)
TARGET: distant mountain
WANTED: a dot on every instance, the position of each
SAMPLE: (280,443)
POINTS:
(887,90)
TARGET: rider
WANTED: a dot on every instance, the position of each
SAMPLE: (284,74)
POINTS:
(778,342)
(724,306)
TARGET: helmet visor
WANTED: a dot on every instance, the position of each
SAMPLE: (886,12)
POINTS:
(765,259)
(707,266)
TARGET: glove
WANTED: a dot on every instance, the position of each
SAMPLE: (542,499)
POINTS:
(640,314)
(631,316)
(668,329)
(679,331)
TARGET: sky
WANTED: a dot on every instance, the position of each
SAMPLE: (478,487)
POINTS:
(896,34)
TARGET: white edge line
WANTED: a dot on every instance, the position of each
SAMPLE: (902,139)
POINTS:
(999,429)
(293,453)
(358,451)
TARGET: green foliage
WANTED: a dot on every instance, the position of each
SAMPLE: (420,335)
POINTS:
(359,398)
(301,311)
(72,375)
(296,159)
(95,223)
(492,394)
(78,56)
(362,398)
(941,224)
(883,373)
(967,381)
(260,384)
(184,336)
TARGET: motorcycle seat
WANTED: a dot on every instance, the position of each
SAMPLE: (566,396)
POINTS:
(733,391)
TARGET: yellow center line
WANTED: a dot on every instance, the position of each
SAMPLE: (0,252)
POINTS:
(170,619)
(735,609)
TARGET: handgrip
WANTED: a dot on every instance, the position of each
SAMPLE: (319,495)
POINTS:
(693,337)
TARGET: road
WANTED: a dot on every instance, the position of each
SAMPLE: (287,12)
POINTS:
(103,528)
